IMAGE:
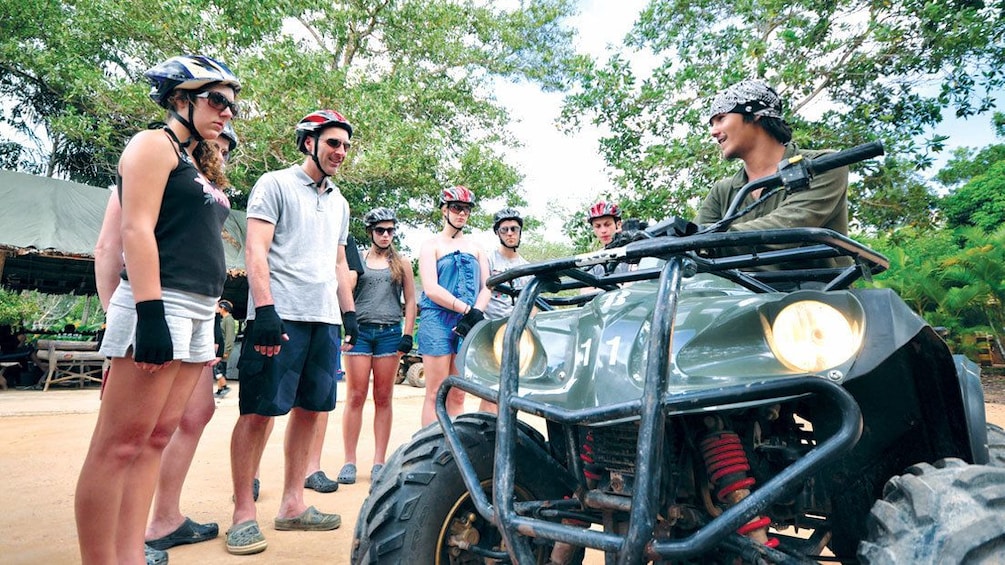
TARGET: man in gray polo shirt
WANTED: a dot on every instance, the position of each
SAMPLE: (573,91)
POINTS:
(299,295)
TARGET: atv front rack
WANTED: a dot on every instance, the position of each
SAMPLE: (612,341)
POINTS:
(638,544)
(759,271)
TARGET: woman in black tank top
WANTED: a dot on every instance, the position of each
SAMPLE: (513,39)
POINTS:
(159,314)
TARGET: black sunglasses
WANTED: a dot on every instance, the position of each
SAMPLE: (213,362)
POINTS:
(383,231)
(218,101)
(459,208)
(336,143)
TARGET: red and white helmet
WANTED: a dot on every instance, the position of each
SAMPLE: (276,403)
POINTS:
(313,123)
(457,194)
(187,72)
(601,209)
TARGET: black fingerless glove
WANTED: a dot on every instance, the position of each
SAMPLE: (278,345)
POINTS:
(350,326)
(468,321)
(405,344)
(153,338)
(268,327)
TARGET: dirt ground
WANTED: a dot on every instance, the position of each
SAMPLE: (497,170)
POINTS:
(45,437)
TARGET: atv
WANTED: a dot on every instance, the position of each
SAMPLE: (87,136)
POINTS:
(707,406)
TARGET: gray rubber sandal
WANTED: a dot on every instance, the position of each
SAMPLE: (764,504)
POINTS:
(347,475)
(245,539)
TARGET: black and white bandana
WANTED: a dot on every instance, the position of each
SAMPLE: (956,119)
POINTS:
(748,96)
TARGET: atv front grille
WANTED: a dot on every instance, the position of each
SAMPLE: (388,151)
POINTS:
(614,447)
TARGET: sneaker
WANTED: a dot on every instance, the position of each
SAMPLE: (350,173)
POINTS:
(222,392)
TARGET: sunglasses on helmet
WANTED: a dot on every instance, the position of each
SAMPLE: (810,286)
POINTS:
(218,102)
(336,143)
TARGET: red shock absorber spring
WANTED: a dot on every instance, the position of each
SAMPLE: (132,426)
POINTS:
(727,466)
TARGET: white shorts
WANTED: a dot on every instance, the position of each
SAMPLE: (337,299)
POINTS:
(190,319)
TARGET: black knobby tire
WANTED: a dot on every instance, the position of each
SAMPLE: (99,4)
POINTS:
(946,513)
(996,446)
(399,377)
(420,493)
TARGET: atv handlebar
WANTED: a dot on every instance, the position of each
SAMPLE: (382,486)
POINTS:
(796,169)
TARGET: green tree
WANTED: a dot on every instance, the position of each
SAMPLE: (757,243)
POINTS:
(414,76)
(980,202)
(850,71)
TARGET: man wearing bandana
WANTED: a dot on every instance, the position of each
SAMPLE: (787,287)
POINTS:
(746,121)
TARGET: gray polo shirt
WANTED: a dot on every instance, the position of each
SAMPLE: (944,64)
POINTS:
(309,228)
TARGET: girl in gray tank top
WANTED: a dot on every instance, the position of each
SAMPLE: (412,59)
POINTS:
(379,291)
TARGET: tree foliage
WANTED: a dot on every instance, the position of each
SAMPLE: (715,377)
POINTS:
(414,76)
(954,278)
(850,71)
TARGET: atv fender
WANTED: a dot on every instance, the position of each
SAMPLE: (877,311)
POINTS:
(969,375)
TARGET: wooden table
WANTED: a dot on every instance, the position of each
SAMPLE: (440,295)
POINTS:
(71,361)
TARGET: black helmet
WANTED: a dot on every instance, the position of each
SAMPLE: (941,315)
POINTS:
(506,214)
(378,215)
(229,134)
(187,72)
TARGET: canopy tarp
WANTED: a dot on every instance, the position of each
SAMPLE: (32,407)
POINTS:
(48,228)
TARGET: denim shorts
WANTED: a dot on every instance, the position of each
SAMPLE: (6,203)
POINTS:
(377,340)
(303,375)
(436,332)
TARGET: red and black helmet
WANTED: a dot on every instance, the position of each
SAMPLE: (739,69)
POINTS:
(601,209)
(312,124)
(457,194)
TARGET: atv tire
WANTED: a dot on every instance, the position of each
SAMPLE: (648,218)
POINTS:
(946,513)
(399,377)
(419,495)
(996,446)
(416,375)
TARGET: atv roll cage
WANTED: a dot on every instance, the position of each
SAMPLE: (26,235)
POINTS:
(681,257)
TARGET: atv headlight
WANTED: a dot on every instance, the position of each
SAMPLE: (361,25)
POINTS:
(813,336)
(525,347)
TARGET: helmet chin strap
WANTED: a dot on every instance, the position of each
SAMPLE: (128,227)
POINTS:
(513,247)
(457,230)
(382,249)
(189,125)
(317,161)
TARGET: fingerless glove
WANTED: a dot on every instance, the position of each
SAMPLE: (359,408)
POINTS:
(268,327)
(405,344)
(153,338)
(350,326)
(468,321)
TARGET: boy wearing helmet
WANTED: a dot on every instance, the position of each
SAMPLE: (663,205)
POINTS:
(298,225)
(746,122)
(166,234)
(453,271)
(508,227)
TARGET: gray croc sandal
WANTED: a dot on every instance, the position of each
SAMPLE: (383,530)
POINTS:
(320,482)
(347,475)
(155,556)
(311,520)
(245,539)
(375,470)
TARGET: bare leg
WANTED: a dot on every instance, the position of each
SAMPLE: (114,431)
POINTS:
(300,436)
(177,458)
(139,413)
(246,446)
(384,371)
(314,456)
(437,367)
(357,385)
